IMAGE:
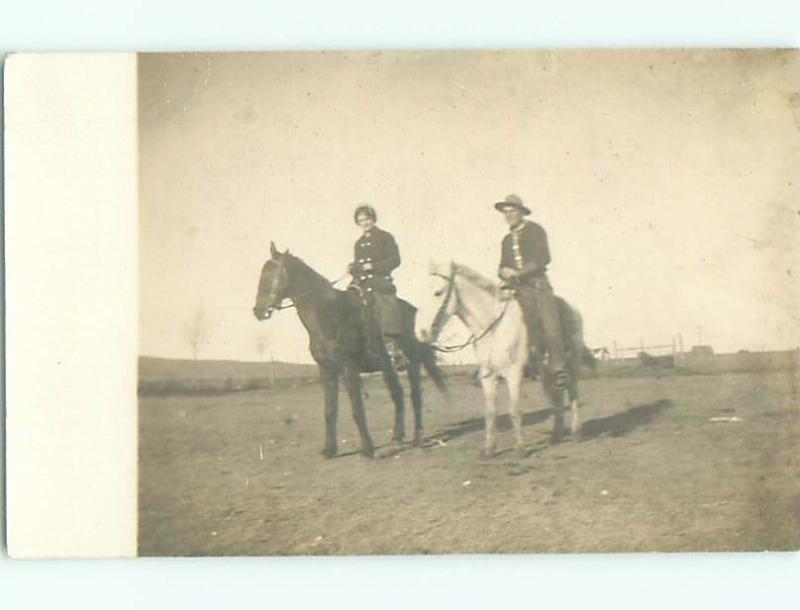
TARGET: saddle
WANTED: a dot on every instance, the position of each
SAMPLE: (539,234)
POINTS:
(538,350)
(382,318)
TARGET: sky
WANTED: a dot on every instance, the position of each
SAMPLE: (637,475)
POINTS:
(667,182)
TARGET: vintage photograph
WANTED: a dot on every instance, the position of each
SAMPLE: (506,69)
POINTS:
(468,302)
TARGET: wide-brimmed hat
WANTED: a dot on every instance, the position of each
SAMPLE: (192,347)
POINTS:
(512,201)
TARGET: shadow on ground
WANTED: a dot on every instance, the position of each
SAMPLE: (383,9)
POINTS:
(618,424)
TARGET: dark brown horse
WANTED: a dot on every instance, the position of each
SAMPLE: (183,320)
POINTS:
(339,330)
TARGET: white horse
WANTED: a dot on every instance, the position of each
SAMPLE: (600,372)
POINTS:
(500,340)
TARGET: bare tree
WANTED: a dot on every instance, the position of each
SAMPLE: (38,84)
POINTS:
(198,330)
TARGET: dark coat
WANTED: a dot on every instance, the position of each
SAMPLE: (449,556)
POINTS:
(379,248)
(526,244)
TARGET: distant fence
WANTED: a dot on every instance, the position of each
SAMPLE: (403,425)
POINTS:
(663,354)
(702,363)
(741,362)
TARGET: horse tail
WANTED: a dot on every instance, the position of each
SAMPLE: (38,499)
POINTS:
(574,331)
(588,358)
(428,359)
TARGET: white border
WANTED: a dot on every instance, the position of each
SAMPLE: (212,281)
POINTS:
(71,283)
(621,581)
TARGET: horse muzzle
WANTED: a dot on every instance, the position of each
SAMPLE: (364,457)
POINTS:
(263,313)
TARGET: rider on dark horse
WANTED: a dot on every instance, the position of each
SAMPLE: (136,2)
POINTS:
(523,266)
(375,256)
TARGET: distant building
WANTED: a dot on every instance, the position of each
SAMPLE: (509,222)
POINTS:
(701,353)
(601,353)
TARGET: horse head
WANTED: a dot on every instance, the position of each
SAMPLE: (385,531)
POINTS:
(273,284)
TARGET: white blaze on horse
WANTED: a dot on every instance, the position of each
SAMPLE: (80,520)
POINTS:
(500,340)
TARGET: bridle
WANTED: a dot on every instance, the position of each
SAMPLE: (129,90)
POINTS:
(442,316)
(292,300)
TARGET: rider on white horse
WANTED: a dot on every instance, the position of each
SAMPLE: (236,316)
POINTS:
(523,266)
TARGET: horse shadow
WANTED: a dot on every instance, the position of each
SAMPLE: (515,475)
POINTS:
(618,424)
(477,424)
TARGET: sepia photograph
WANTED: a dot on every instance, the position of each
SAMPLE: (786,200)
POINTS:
(449,302)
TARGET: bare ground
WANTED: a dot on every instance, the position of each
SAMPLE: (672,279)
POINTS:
(242,473)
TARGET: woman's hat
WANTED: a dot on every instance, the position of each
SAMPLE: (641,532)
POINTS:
(512,202)
(367,209)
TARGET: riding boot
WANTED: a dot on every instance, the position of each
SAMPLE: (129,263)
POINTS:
(547,308)
(396,355)
(526,301)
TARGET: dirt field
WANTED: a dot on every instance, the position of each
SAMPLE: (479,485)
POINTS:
(242,473)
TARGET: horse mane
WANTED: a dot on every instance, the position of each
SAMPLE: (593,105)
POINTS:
(306,268)
(477,279)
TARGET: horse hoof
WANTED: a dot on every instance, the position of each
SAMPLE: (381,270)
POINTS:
(329,452)
(418,440)
(521,452)
(368,452)
(488,454)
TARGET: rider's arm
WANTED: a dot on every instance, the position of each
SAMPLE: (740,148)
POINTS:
(388,259)
(355,267)
(535,251)
(506,261)
(527,269)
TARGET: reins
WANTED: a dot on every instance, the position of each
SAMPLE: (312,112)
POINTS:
(449,349)
(293,299)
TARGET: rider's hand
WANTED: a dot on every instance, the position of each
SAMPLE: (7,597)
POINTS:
(507,273)
(350,268)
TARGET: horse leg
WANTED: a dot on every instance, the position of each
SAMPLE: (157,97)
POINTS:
(557,399)
(489,385)
(575,421)
(392,381)
(415,380)
(330,385)
(572,391)
(353,382)
(514,382)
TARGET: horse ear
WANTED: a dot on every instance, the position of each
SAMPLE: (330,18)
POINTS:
(273,251)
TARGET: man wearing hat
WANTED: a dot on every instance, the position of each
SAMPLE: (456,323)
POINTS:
(523,263)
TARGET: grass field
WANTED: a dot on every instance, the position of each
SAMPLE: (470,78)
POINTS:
(242,474)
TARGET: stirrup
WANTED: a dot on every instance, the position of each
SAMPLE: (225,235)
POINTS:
(560,380)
